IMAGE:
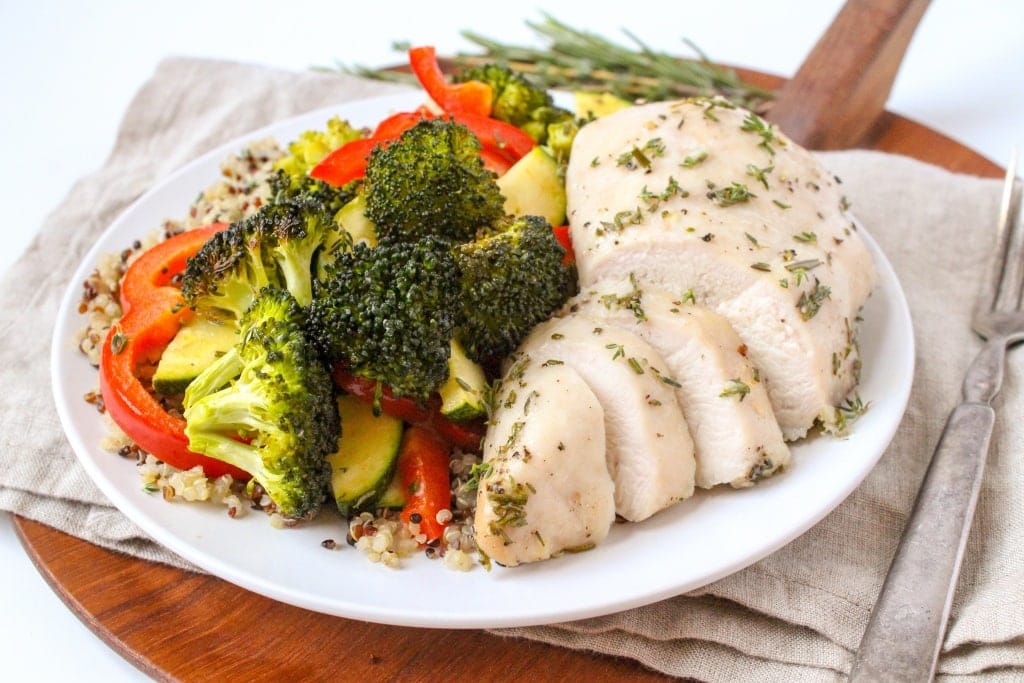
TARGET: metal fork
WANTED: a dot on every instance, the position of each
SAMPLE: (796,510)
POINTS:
(907,626)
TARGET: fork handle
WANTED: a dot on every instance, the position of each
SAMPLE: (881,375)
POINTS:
(905,632)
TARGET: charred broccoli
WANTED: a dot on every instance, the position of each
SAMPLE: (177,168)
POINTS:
(267,407)
(275,246)
(226,273)
(293,231)
(510,279)
(431,182)
(517,101)
(387,313)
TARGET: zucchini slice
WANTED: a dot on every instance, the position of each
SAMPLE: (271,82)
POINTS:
(534,186)
(197,344)
(462,394)
(363,465)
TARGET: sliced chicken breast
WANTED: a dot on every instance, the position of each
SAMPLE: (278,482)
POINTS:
(707,200)
(737,440)
(546,489)
(649,450)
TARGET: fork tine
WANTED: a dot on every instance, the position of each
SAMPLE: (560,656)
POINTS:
(1008,266)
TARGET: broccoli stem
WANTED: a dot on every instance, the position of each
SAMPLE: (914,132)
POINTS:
(296,266)
(232,410)
(216,424)
(232,451)
(217,375)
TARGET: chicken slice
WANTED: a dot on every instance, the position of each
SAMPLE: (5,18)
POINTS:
(545,488)
(737,440)
(649,450)
(708,200)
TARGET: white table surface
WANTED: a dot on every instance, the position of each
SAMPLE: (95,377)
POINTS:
(70,69)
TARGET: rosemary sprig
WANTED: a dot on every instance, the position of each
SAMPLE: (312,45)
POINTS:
(579,60)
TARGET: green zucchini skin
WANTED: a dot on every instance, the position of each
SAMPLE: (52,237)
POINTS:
(364,463)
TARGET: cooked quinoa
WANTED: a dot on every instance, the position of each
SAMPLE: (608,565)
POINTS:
(385,538)
(241,189)
(382,536)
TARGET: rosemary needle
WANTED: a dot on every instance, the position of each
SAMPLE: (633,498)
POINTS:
(579,60)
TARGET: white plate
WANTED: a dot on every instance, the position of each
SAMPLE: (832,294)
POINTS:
(683,548)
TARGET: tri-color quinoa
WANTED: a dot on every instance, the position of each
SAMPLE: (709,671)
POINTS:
(383,537)
(242,188)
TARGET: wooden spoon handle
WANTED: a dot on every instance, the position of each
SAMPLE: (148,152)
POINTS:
(841,89)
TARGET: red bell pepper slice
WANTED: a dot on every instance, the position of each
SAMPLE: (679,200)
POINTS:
(139,337)
(396,124)
(154,315)
(423,471)
(156,266)
(465,435)
(513,142)
(366,390)
(348,162)
(471,97)
(562,235)
(345,164)
(495,161)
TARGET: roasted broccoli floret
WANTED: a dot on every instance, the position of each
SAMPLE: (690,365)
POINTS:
(274,246)
(510,280)
(223,277)
(312,146)
(517,101)
(431,182)
(388,314)
(267,407)
(284,188)
(344,205)
(292,232)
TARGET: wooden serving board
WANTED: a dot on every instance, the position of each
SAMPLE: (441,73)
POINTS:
(179,626)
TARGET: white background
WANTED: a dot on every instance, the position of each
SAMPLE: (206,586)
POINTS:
(70,68)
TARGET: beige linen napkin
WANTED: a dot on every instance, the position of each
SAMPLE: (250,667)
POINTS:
(798,614)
